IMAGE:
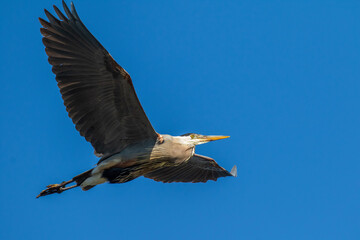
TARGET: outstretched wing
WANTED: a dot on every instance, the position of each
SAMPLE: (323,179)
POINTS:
(197,169)
(97,92)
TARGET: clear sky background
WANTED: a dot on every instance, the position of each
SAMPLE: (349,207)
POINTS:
(282,78)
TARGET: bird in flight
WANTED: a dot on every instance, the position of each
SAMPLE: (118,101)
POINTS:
(101,101)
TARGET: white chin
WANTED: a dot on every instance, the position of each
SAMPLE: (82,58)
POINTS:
(198,142)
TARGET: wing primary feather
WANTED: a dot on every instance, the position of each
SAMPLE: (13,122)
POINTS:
(73,10)
(44,23)
(67,11)
(60,14)
(51,18)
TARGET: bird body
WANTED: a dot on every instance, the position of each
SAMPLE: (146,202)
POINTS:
(140,159)
(101,101)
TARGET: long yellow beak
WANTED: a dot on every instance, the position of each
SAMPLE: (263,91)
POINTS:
(213,138)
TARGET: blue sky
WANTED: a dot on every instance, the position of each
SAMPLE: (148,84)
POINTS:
(280,77)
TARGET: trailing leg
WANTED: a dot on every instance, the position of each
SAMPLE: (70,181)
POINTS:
(59,188)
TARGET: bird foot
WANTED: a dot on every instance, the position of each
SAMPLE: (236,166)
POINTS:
(52,188)
(53,185)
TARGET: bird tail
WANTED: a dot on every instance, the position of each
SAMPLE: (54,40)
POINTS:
(59,188)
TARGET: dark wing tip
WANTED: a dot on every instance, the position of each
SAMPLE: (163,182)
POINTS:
(41,20)
(60,14)
(234,171)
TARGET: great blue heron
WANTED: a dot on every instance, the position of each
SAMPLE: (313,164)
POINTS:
(101,101)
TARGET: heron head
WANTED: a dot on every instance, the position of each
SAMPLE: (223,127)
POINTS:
(197,139)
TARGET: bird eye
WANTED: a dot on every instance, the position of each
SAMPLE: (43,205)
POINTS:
(192,136)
